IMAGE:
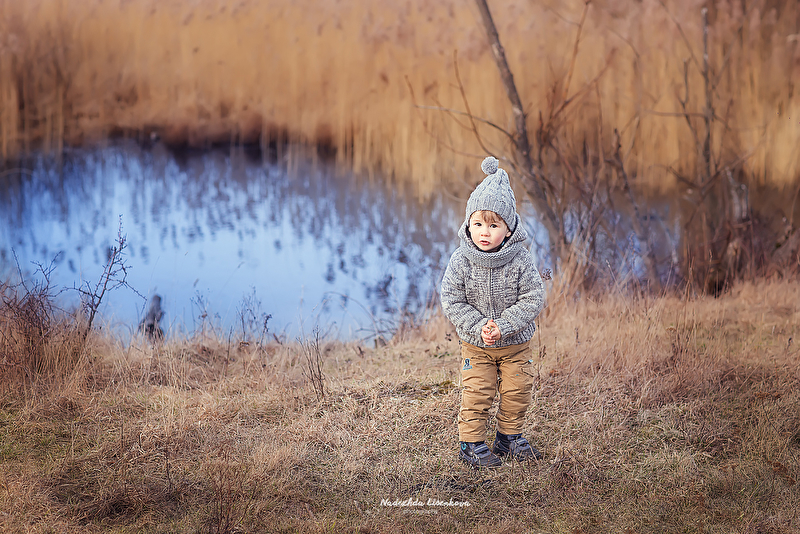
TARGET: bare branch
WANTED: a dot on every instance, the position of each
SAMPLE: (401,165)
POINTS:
(575,47)
(522,144)
(686,114)
(114,275)
(705,188)
(683,35)
(642,233)
(709,108)
(679,176)
(466,104)
(472,117)
(670,114)
(425,123)
(583,89)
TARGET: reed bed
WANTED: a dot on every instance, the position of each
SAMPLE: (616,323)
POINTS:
(360,78)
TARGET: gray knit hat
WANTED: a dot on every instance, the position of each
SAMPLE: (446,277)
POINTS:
(494,193)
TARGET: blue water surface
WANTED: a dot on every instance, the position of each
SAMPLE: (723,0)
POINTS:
(228,240)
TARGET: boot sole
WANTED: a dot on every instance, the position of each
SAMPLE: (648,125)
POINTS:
(476,465)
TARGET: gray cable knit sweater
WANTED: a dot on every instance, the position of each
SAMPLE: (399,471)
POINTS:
(503,285)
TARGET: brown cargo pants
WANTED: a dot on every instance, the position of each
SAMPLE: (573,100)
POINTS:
(483,372)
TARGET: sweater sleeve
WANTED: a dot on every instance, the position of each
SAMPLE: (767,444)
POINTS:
(464,316)
(530,302)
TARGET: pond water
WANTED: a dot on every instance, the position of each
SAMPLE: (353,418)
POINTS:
(227,240)
(233,243)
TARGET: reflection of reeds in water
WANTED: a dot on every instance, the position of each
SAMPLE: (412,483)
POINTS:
(341,73)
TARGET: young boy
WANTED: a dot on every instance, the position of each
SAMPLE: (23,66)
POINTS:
(492,293)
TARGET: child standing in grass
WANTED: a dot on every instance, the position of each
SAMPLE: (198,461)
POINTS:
(492,293)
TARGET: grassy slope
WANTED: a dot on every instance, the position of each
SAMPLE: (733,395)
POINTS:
(655,415)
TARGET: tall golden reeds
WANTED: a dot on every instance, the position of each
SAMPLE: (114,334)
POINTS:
(362,76)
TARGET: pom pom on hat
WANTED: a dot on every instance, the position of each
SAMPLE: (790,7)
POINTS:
(489,165)
(494,193)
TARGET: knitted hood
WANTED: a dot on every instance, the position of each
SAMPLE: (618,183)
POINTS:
(513,245)
(494,193)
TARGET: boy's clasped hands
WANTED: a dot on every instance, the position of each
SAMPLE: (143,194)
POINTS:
(490,333)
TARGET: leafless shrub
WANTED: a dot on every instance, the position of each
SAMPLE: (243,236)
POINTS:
(39,339)
(312,364)
(586,188)
(254,321)
(205,324)
(232,494)
(114,276)
(36,337)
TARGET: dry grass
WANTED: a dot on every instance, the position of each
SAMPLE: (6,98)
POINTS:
(36,339)
(342,74)
(655,415)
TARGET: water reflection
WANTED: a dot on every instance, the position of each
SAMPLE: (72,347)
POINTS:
(224,234)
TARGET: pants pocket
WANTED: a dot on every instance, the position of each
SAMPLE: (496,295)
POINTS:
(528,368)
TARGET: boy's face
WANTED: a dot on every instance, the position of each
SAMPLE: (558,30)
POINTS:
(487,234)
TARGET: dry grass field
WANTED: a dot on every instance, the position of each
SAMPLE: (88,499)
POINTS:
(656,413)
(360,78)
(665,414)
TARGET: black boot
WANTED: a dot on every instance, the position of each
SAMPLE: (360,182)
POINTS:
(516,447)
(478,455)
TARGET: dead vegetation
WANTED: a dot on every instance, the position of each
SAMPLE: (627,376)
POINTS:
(339,76)
(654,139)
(587,189)
(654,413)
